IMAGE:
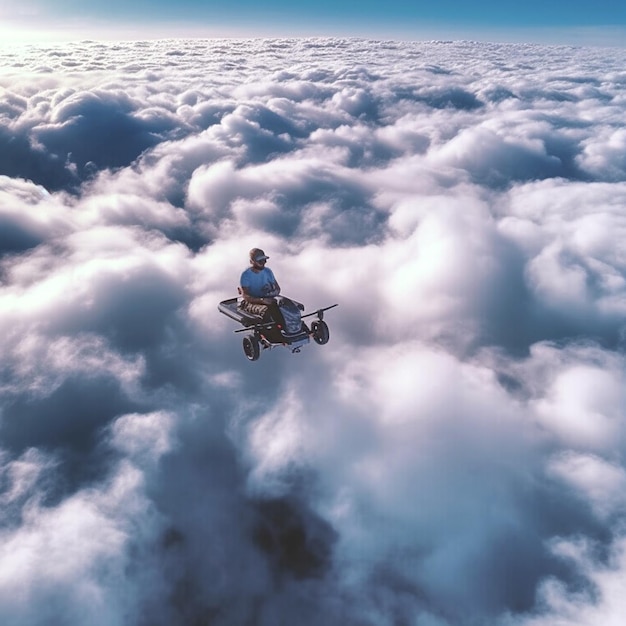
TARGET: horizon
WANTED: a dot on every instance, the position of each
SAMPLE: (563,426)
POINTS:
(560,23)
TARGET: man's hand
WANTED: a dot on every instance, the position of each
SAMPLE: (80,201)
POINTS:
(275,289)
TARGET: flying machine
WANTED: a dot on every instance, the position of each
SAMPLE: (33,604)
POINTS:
(263,335)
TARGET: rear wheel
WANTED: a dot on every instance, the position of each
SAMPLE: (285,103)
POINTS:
(251,347)
(321,334)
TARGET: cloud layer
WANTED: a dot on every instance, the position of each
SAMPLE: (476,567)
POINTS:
(454,456)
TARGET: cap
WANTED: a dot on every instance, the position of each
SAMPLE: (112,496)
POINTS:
(256,254)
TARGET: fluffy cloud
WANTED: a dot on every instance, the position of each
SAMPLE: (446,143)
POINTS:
(454,455)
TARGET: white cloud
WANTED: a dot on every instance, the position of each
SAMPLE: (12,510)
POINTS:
(584,407)
(70,562)
(600,482)
(603,155)
(602,604)
(454,455)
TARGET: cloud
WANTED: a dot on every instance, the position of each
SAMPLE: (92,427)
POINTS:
(599,482)
(68,561)
(602,604)
(453,456)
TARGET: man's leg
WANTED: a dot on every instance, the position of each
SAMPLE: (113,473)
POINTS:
(268,313)
(255,309)
(275,314)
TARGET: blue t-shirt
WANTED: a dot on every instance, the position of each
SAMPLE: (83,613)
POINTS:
(259,284)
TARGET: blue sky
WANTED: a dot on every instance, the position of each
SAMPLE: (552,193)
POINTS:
(576,21)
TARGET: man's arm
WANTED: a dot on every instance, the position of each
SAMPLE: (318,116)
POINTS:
(275,289)
(274,286)
(254,300)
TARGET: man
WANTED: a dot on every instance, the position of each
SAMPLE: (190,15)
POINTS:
(259,287)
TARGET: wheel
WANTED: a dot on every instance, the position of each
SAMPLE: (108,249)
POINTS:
(251,347)
(321,334)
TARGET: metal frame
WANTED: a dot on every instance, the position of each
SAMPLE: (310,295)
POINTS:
(230,309)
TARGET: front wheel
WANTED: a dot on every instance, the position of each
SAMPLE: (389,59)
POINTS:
(251,347)
(320,331)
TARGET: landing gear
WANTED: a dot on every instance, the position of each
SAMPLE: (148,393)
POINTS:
(320,332)
(251,347)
